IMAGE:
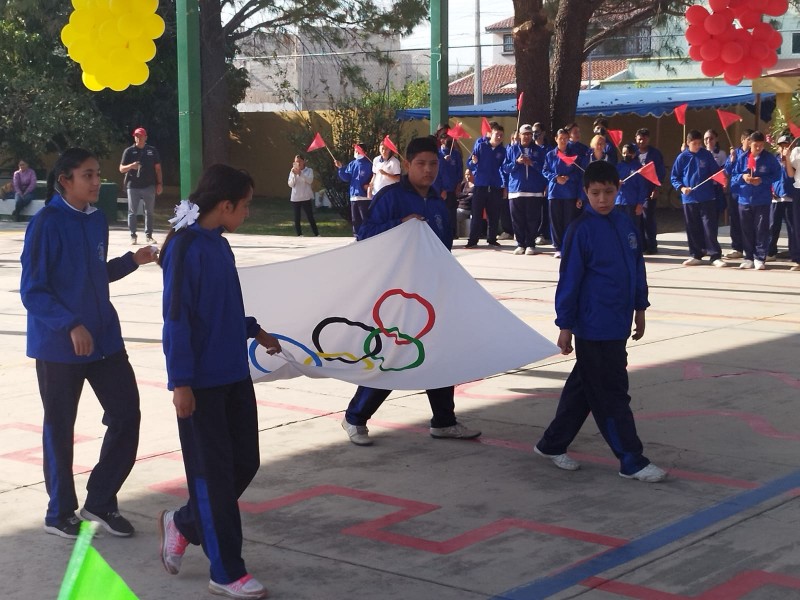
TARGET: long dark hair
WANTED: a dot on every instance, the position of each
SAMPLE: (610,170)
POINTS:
(69,160)
(218,183)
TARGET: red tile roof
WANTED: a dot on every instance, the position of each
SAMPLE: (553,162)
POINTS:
(502,79)
(504,24)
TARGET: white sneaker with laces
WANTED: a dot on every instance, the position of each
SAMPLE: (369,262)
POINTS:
(359,434)
(557,255)
(562,461)
(505,236)
(734,254)
(454,432)
(719,263)
(520,250)
(173,544)
(759,265)
(650,474)
(539,240)
(692,262)
(530,251)
(746,264)
(247,587)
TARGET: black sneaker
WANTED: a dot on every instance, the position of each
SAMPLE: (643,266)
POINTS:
(494,243)
(113,522)
(68,528)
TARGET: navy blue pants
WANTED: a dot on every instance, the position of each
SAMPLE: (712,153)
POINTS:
(221,457)
(306,206)
(735,225)
(526,216)
(701,229)
(506,223)
(780,213)
(649,227)
(490,199)
(544,227)
(60,386)
(451,203)
(598,384)
(368,400)
(794,245)
(754,221)
(359,209)
(562,213)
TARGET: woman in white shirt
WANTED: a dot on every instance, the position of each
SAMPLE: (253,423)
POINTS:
(300,179)
(385,170)
(792,162)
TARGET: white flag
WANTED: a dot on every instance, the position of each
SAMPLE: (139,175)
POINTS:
(395,311)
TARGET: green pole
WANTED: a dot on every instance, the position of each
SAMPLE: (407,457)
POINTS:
(439,66)
(190,111)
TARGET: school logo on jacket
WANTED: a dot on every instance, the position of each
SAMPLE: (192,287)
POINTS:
(439,222)
(633,241)
(101,252)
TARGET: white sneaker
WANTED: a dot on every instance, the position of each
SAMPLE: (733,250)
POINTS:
(505,236)
(562,461)
(557,255)
(746,264)
(455,432)
(795,267)
(539,240)
(650,474)
(734,254)
(173,544)
(771,258)
(692,262)
(520,250)
(719,263)
(759,265)
(359,434)
(245,588)
(530,251)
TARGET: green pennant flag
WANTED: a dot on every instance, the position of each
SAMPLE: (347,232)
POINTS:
(88,576)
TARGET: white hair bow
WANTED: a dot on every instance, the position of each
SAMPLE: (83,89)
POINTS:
(186,213)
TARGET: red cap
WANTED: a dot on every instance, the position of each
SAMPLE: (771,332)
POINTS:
(140,131)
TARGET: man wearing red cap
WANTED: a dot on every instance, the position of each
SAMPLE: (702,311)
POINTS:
(141,165)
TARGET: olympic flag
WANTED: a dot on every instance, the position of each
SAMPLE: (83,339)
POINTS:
(387,312)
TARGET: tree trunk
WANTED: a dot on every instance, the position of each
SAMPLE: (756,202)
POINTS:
(214,84)
(570,26)
(532,54)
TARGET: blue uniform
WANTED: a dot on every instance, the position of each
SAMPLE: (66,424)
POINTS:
(563,197)
(451,171)
(358,173)
(488,170)
(755,202)
(527,191)
(488,192)
(782,211)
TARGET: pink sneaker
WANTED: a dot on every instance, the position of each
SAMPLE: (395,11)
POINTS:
(248,587)
(173,544)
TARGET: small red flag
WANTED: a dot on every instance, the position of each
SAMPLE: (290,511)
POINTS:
(680,113)
(316,143)
(720,177)
(519,101)
(359,149)
(615,135)
(485,127)
(649,172)
(567,159)
(751,162)
(794,129)
(390,145)
(727,118)
(457,132)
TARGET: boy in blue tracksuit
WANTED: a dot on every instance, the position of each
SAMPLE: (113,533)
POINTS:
(486,163)
(737,250)
(754,173)
(74,335)
(451,171)
(782,197)
(527,189)
(563,188)
(632,189)
(358,173)
(413,197)
(645,154)
(691,173)
(602,287)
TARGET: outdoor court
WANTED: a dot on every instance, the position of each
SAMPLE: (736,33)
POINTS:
(715,385)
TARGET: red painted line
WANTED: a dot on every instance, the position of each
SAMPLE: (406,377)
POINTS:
(33,455)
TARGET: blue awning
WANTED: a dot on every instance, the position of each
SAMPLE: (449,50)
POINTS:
(652,101)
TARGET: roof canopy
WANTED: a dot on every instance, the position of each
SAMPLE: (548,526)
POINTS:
(654,101)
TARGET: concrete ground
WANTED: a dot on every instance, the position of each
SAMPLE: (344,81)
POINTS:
(715,392)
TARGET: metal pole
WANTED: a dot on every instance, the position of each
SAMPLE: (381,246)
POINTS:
(439,64)
(190,110)
(478,77)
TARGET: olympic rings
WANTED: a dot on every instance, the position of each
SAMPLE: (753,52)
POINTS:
(254,345)
(338,355)
(411,296)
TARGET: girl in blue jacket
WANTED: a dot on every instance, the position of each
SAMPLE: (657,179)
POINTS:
(74,334)
(205,343)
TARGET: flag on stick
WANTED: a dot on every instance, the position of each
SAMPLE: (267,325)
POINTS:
(360,150)
(457,132)
(680,113)
(795,130)
(567,159)
(615,135)
(727,118)
(649,172)
(318,143)
(751,162)
(720,177)
(485,126)
(519,101)
(88,576)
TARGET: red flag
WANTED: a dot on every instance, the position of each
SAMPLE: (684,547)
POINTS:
(720,177)
(316,143)
(457,132)
(615,135)
(751,162)
(567,159)
(680,113)
(649,172)
(794,129)
(390,145)
(485,127)
(519,101)
(359,149)
(727,118)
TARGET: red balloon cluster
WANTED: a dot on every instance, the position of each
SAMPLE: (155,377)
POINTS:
(736,53)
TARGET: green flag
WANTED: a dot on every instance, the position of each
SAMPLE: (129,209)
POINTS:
(88,576)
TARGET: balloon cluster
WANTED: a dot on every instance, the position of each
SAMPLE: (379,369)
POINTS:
(734,52)
(113,40)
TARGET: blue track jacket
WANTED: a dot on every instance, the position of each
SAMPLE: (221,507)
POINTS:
(451,171)
(689,170)
(633,191)
(602,278)
(205,329)
(358,173)
(767,168)
(65,277)
(489,169)
(554,166)
(653,155)
(729,163)
(523,178)
(399,200)
(785,184)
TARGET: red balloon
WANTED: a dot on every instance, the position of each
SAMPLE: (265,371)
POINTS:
(733,79)
(762,32)
(711,49)
(743,38)
(776,8)
(732,52)
(738,7)
(696,34)
(751,69)
(734,72)
(696,14)
(695,52)
(717,5)
(776,40)
(771,60)
(749,19)
(717,22)
(759,51)
(728,35)
(712,68)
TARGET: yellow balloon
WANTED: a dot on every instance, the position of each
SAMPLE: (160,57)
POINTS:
(108,33)
(91,82)
(82,21)
(129,25)
(152,26)
(138,73)
(80,50)
(145,6)
(142,49)
(119,7)
(83,4)
(69,34)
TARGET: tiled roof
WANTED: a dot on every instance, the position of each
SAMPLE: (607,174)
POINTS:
(502,79)
(504,24)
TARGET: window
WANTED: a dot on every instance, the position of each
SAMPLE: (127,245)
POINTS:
(796,43)
(508,43)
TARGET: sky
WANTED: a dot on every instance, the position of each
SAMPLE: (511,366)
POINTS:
(461,25)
